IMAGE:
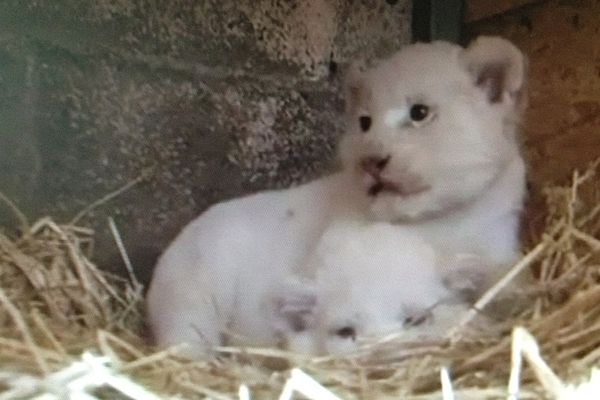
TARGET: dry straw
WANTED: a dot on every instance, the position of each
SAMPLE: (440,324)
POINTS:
(70,330)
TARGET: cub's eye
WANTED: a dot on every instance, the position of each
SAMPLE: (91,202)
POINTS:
(419,112)
(365,122)
(347,332)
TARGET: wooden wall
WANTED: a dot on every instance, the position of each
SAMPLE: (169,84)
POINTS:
(562,42)
(476,10)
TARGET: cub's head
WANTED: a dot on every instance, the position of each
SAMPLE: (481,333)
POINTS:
(319,320)
(431,128)
(370,280)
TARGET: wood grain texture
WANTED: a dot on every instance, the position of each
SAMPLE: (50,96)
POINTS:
(561,128)
(480,9)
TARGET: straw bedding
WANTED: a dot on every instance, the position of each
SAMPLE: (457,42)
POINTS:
(68,327)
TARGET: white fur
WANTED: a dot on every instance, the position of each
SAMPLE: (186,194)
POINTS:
(394,116)
(214,276)
(370,278)
(466,153)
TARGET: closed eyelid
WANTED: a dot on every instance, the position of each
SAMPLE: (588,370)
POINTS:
(346,332)
(341,324)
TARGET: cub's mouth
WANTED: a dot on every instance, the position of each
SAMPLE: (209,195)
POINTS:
(381,185)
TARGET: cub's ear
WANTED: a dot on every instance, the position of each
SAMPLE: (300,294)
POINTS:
(294,305)
(497,67)
(355,90)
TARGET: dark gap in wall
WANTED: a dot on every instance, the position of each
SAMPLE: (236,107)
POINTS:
(437,20)
(421,21)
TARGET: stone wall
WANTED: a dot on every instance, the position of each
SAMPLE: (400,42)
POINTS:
(205,100)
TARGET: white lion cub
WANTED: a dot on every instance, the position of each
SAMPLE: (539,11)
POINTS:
(432,138)
(363,280)
(431,147)
(368,280)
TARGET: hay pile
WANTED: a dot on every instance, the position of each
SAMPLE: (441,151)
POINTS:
(56,305)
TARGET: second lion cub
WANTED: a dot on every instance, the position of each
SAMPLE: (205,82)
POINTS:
(431,145)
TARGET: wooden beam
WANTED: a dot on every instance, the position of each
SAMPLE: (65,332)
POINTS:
(480,9)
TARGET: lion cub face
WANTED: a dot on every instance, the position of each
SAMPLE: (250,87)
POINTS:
(430,129)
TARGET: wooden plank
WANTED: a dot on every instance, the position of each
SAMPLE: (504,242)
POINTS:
(480,9)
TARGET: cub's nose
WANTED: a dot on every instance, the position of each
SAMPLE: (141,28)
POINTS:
(373,165)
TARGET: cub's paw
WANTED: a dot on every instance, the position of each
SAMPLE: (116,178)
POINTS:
(466,275)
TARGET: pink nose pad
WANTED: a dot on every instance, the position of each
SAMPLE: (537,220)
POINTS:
(373,165)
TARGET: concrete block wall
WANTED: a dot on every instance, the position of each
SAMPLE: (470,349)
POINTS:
(207,100)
